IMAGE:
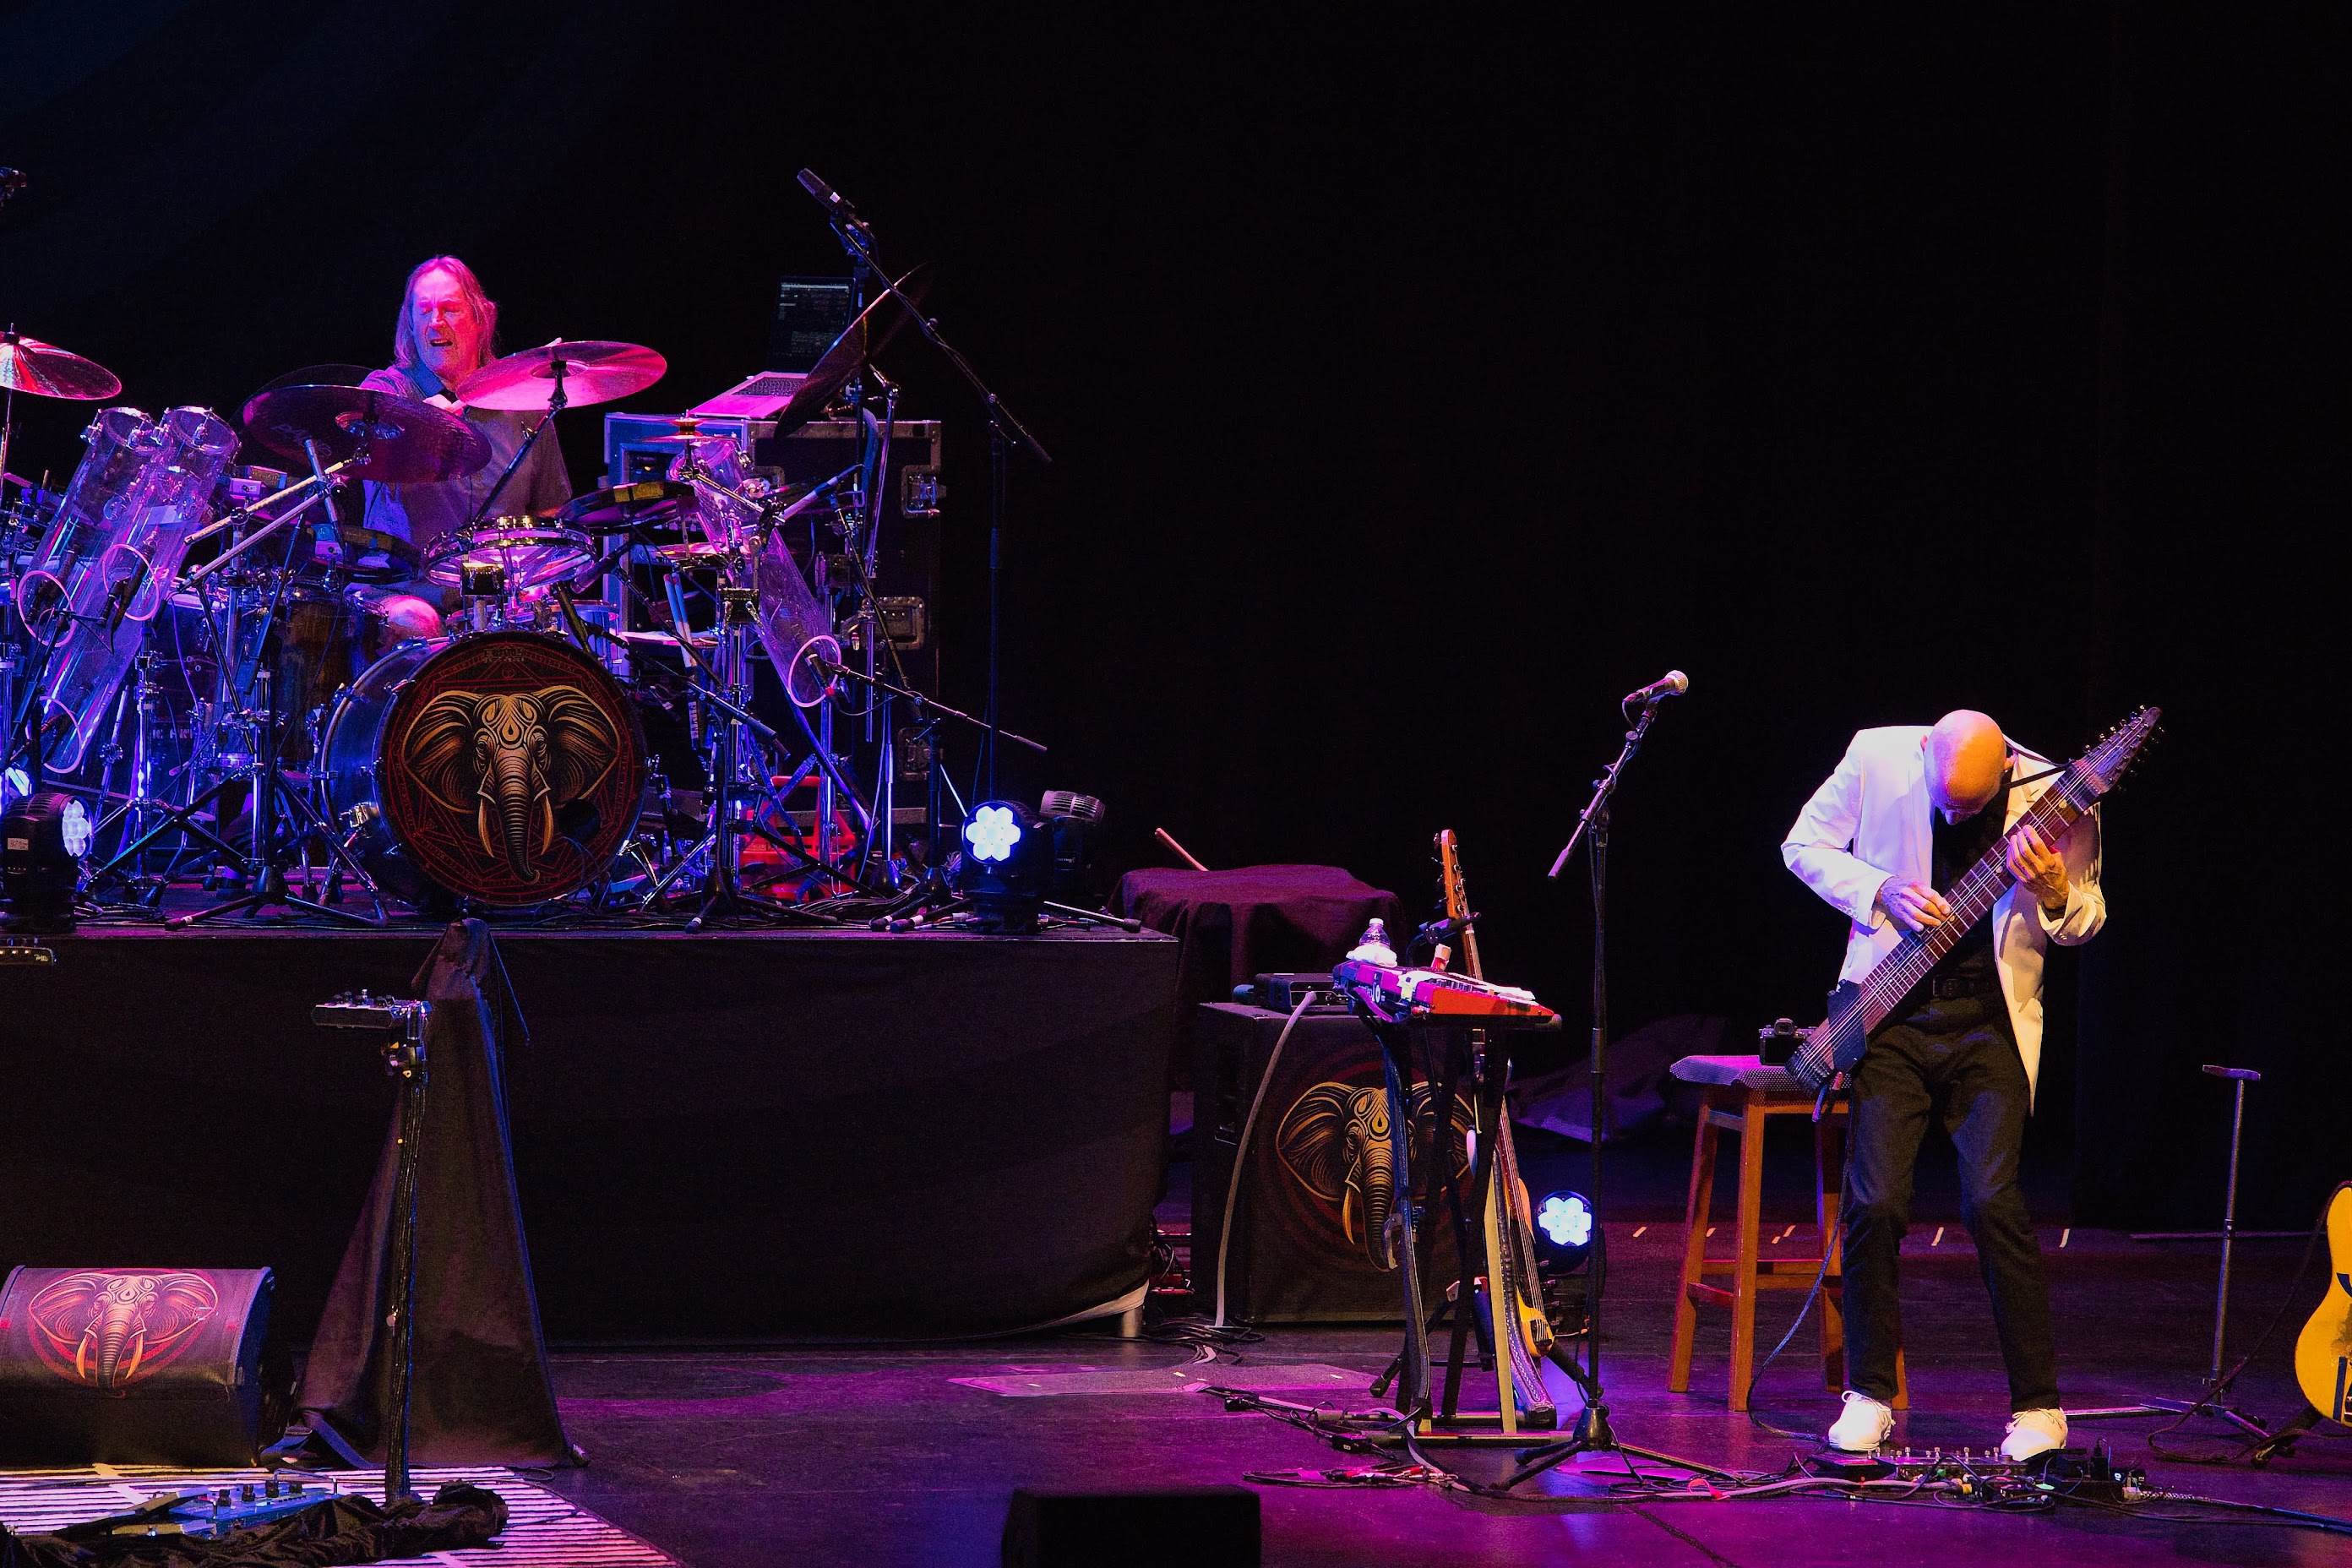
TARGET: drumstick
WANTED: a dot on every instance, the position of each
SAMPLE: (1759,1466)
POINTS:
(1186,855)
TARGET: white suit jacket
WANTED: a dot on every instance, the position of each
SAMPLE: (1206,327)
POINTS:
(1871,820)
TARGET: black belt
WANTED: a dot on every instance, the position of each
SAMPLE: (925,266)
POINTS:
(1956,988)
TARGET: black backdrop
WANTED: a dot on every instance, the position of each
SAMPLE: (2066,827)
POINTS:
(1417,386)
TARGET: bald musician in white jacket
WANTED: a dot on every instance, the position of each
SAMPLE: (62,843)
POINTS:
(1908,812)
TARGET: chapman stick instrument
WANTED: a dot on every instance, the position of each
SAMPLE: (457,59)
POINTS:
(1831,1048)
(1514,1291)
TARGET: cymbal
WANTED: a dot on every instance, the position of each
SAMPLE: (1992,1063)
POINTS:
(859,341)
(47,371)
(406,442)
(319,375)
(369,555)
(627,506)
(592,372)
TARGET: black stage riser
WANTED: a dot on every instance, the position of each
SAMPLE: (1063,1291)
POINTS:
(715,1136)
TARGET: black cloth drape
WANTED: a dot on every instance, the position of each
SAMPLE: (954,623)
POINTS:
(482,1393)
(347,1529)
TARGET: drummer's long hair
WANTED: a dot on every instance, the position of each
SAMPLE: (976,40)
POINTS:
(485,309)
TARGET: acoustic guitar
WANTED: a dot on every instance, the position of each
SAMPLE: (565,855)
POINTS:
(2323,1352)
(1832,1046)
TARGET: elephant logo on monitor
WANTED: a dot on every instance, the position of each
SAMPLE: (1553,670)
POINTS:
(513,760)
(1335,1141)
(110,1328)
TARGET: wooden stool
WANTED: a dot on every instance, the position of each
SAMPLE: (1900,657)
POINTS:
(1739,1093)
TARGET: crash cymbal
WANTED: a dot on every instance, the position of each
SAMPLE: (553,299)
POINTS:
(859,341)
(406,442)
(47,371)
(592,372)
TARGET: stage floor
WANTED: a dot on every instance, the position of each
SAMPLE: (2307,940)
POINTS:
(880,1457)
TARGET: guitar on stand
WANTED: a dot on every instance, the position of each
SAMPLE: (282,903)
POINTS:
(1522,1328)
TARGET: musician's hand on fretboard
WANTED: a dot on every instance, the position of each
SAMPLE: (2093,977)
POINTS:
(2040,868)
(1914,906)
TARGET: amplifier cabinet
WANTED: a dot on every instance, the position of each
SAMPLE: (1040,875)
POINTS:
(1315,1182)
(131,1366)
(909,563)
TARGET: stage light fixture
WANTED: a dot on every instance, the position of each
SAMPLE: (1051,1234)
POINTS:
(43,838)
(1075,819)
(1007,866)
(1564,1229)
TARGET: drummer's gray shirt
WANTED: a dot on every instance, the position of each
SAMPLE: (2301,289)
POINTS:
(422,513)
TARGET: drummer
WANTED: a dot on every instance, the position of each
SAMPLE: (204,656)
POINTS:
(447,330)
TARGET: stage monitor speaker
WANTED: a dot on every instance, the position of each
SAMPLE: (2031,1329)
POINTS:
(131,1366)
(1180,1527)
(1314,1184)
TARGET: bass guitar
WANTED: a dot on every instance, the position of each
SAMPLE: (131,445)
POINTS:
(1833,1045)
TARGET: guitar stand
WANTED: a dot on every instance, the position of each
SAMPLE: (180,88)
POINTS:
(2213,1400)
(1429,1418)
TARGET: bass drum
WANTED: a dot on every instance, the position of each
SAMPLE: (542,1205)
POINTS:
(506,768)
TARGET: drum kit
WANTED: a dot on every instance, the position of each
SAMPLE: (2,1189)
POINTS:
(194,648)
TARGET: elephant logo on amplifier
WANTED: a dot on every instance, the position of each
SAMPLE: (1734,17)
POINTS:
(110,1328)
(1335,1141)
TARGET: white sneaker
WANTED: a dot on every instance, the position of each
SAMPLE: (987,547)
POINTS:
(1863,1425)
(2032,1432)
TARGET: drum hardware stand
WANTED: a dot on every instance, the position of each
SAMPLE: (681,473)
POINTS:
(263,862)
(139,705)
(1005,432)
(2211,1400)
(729,693)
(405,1058)
(556,405)
(734,804)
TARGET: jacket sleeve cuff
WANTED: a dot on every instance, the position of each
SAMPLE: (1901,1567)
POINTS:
(2053,925)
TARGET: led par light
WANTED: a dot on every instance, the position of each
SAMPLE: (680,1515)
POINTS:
(43,838)
(1007,868)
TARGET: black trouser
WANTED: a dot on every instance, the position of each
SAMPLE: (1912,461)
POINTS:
(1951,1057)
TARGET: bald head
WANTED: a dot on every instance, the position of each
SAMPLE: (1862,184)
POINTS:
(1966,754)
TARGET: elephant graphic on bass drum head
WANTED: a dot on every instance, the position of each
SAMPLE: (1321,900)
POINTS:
(513,760)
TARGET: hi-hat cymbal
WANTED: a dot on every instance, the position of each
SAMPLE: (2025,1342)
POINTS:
(859,341)
(592,372)
(319,375)
(404,441)
(47,371)
(622,507)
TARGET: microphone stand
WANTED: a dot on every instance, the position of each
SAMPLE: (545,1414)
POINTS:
(1592,1432)
(1005,431)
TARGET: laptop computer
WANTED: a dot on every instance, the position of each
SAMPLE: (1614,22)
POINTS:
(810,312)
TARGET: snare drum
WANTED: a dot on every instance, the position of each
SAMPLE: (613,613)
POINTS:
(534,553)
(505,768)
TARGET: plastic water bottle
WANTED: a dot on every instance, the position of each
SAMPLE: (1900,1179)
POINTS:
(1373,947)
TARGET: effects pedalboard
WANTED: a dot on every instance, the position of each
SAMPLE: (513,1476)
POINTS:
(209,1515)
(2075,1472)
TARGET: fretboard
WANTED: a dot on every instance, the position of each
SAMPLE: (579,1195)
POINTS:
(1972,897)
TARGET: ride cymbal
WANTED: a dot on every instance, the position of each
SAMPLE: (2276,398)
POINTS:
(592,373)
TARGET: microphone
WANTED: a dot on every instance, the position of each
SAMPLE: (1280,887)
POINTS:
(831,200)
(1674,684)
